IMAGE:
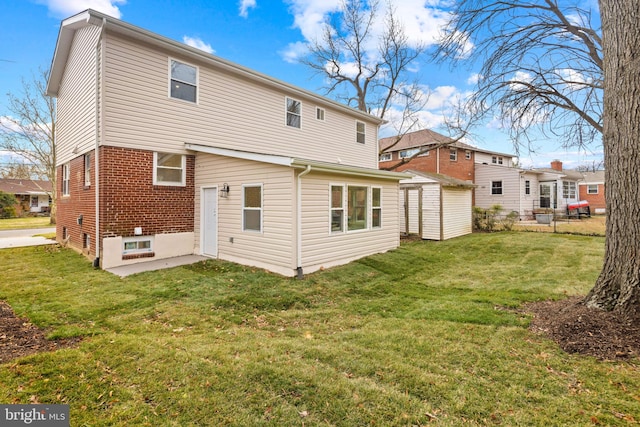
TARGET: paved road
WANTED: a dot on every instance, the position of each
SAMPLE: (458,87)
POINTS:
(26,237)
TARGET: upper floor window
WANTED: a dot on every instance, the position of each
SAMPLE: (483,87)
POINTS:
(527,187)
(385,157)
(87,170)
(65,179)
(294,113)
(409,153)
(496,187)
(169,169)
(184,81)
(592,188)
(252,207)
(467,155)
(320,114)
(360,132)
(497,160)
(453,154)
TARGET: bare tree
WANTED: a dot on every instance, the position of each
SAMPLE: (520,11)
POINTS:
(541,66)
(18,170)
(29,131)
(618,286)
(367,70)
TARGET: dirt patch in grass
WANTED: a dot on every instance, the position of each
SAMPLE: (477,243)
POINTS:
(579,329)
(19,337)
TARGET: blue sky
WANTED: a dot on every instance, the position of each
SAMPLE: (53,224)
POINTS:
(265,35)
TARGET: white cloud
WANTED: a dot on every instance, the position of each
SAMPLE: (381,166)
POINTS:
(294,52)
(66,8)
(245,5)
(422,21)
(474,78)
(198,44)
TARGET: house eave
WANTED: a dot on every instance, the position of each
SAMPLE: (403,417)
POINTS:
(297,163)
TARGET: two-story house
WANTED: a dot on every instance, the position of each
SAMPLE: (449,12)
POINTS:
(165,150)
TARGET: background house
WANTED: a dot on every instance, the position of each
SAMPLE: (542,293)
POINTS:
(32,196)
(526,190)
(591,189)
(165,150)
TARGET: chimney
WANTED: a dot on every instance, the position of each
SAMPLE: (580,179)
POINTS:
(556,165)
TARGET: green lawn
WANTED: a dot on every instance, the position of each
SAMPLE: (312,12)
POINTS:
(27,222)
(415,336)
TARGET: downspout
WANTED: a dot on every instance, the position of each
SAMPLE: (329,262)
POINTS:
(299,222)
(98,130)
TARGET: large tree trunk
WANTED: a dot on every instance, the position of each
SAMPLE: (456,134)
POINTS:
(618,286)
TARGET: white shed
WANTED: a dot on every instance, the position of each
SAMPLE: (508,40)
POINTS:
(434,206)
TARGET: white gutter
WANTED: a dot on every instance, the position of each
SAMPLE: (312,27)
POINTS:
(98,130)
(299,220)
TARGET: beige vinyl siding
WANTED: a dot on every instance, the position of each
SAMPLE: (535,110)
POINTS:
(530,201)
(511,187)
(232,112)
(273,247)
(456,204)
(320,248)
(486,158)
(76,103)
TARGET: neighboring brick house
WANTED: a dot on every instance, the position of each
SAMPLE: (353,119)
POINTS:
(32,196)
(591,189)
(164,150)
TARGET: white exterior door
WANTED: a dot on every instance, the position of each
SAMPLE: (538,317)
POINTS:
(210,222)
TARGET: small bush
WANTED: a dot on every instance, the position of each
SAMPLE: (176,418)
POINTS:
(486,219)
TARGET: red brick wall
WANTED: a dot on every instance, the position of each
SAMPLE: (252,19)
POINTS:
(461,168)
(81,201)
(596,201)
(128,198)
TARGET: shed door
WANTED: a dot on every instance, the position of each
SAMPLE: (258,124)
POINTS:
(210,222)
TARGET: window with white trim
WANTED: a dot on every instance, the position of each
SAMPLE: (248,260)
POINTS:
(527,187)
(385,157)
(497,160)
(467,155)
(337,209)
(169,169)
(320,114)
(568,190)
(137,244)
(356,207)
(453,154)
(65,179)
(294,113)
(376,207)
(496,187)
(360,132)
(252,207)
(183,81)
(592,188)
(87,170)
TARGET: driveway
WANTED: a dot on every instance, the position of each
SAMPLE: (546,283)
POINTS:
(25,237)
